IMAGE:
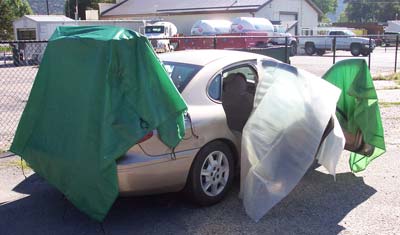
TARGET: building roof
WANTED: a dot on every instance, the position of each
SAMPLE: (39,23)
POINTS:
(48,18)
(159,7)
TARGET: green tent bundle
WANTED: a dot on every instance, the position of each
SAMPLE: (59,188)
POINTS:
(357,108)
(98,91)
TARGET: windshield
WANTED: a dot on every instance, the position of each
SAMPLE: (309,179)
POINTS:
(348,32)
(154,29)
(180,73)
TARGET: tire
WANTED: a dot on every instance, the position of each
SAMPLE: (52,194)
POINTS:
(293,49)
(310,48)
(261,45)
(355,49)
(321,52)
(209,184)
(365,52)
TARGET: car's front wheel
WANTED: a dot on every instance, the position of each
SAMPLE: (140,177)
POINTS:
(355,49)
(211,174)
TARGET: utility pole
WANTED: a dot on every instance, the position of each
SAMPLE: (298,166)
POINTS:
(47,7)
(76,9)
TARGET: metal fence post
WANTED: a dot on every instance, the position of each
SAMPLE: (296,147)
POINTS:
(334,49)
(215,42)
(369,53)
(286,50)
(395,57)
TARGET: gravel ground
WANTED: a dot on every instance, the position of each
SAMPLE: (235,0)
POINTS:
(363,203)
(382,61)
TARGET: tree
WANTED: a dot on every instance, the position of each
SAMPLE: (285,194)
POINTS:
(83,5)
(326,5)
(372,11)
(10,11)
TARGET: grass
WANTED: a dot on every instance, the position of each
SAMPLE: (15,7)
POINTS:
(391,77)
(388,104)
(5,49)
(17,163)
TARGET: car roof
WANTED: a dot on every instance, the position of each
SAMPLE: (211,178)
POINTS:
(204,57)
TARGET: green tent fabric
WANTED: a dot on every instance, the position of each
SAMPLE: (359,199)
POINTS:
(359,109)
(98,91)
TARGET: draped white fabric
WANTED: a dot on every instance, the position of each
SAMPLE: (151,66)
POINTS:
(281,139)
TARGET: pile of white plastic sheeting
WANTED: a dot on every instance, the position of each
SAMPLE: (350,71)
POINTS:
(283,135)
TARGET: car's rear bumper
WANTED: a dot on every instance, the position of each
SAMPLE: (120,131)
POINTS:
(140,174)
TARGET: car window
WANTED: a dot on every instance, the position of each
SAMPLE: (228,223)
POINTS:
(215,86)
(247,71)
(181,73)
(214,90)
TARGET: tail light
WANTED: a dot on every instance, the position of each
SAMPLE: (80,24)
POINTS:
(146,137)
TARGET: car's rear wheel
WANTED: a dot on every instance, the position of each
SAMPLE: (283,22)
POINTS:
(293,49)
(211,174)
(365,52)
(310,48)
(321,52)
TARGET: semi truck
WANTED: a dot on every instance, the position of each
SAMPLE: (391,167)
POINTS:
(159,30)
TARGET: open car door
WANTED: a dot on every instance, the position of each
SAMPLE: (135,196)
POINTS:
(284,134)
(293,123)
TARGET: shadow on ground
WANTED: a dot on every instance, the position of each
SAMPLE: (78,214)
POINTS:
(315,206)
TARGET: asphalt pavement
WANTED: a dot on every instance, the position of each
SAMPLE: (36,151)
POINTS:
(363,203)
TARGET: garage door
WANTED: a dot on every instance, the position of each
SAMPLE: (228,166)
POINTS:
(288,19)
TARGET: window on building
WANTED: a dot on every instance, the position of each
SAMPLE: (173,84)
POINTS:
(26,34)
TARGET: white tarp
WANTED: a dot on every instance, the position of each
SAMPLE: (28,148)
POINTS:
(280,141)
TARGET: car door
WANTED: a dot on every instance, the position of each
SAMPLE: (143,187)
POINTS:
(236,96)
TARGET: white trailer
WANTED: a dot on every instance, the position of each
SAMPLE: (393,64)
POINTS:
(210,27)
(254,24)
(251,24)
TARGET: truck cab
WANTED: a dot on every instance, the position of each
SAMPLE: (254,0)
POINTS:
(161,30)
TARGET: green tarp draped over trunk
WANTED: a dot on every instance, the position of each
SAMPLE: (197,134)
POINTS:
(358,105)
(98,91)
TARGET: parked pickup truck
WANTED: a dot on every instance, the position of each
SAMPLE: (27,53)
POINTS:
(345,40)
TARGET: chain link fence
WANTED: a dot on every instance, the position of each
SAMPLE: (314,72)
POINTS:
(19,63)
(18,67)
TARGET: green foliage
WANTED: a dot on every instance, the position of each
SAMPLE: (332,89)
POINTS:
(83,5)
(326,5)
(372,11)
(10,11)
(343,17)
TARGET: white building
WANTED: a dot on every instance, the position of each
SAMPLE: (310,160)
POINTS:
(393,26)
(39,27)
(295,14)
